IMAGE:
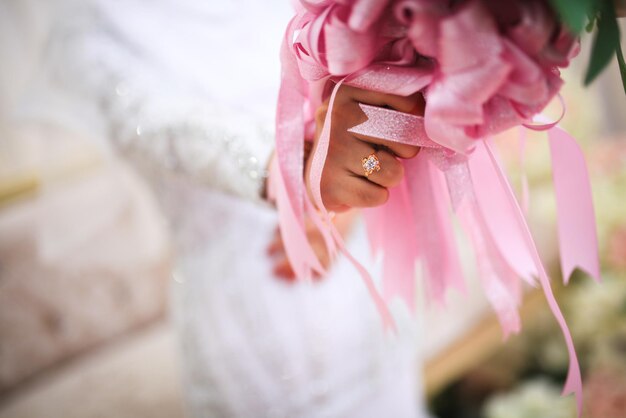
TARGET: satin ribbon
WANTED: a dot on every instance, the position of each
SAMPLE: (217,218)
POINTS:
(496,225)
(477,82)
(285,184)
(315,177)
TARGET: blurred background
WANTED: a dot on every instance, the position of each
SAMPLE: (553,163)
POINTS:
(84,303)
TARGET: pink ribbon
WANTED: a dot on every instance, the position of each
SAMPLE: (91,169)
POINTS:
(496,225)
(315,177)
(573,382)
(578,240)
(483,68)
(435,237)
(285,181)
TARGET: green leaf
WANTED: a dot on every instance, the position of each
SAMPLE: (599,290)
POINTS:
(591,24)
(622,65)
(574,12)
(606,42)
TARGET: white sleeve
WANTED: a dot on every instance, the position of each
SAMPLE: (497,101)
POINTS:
(215,145)
(154,115)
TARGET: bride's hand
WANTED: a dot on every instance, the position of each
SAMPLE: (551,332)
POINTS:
(343,183)
(281,267)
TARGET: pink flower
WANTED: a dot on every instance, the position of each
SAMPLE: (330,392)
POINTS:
(605,393)
(617,249)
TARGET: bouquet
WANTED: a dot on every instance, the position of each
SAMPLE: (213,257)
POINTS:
(483,66)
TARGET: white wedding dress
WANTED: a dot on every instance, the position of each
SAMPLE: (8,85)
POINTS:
(185,90)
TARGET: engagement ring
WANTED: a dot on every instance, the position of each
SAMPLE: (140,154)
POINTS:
(370,164)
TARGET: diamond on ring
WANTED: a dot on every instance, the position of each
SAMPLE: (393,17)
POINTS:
(370,164)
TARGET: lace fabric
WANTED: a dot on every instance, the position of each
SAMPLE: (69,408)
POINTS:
(162,128)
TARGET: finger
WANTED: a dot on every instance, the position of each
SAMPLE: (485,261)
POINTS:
(319,248)
(391,170)
(275,247)
(414,104)
(283,270)
(401,150)
(355,192)
(276,244)
(406,104)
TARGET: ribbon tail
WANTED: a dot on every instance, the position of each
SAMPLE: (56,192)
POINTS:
(397,237)
(500,283)
(297,247)
(314,216)
(524,175)
(315,177)
(499,280)
(290,125)
(578,240)
(573,383)
(495,204)
(286,174)
(388,321)
(434,234)
(375,221)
